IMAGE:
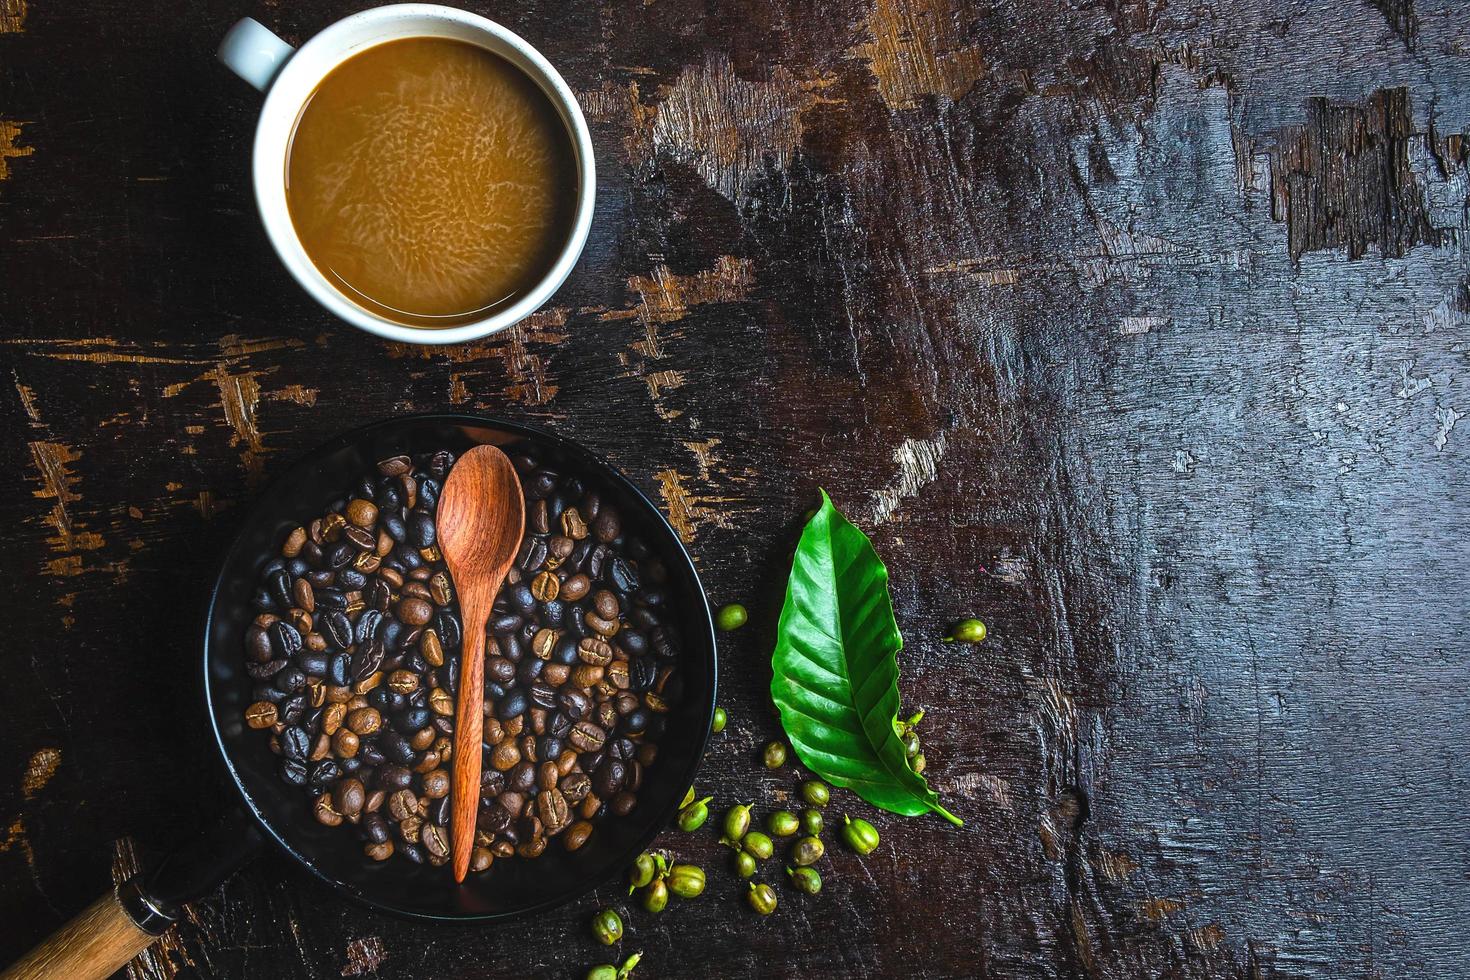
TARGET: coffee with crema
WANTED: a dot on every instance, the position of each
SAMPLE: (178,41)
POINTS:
(431,181)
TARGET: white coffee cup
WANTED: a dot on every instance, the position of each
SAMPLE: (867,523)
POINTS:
(288,76)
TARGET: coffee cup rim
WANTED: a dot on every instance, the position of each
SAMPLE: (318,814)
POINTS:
(321,55)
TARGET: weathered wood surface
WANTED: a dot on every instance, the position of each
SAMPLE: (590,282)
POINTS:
(1138,329)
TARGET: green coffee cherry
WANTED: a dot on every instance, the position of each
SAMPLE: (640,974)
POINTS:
(918,762)
(642,871)
(859,835)
(626,970)
(782,823)
(811,822)
(731,617)
(808,850)
(718,725)
(744,864)
(910,742)
(686,880)
(758,845)
(656,896)
(693,816)
(762,898)
(805,879)
(607,927)
(603,971)
(815,792)
(967,631)
(775,755)
(737,822)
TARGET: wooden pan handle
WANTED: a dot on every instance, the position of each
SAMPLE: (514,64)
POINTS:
(92,946)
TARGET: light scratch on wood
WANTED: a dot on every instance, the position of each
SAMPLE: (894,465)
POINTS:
(27,399)
(364,956)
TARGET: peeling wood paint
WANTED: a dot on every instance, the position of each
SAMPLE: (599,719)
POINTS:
(704,455)
(726,127)
(12,16)
(39,770)
(9,133)
(917,49)
(918,465)
(687,512)
(1344,179)
(52,461)
(239,395)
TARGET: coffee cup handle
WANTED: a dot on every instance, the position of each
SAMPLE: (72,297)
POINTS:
(251,51)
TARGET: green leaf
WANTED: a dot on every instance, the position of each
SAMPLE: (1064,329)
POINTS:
(835,668)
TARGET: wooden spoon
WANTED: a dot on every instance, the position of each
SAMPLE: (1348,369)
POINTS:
(481,518)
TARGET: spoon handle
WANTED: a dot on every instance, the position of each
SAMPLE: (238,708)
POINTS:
(469,729)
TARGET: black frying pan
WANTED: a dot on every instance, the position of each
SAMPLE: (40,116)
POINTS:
(118,926)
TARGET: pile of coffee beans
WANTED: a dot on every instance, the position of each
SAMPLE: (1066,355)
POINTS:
(355,654)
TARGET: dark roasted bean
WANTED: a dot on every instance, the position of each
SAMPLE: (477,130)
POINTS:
(292,771)
(511,705)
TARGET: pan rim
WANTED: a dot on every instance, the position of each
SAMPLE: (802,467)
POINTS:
(605,470)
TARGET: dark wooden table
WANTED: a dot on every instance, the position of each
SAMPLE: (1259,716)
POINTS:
(1138,329)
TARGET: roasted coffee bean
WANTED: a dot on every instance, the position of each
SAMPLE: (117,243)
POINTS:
(544,643)
(617,675)
(622,804)
(574,702)
(587,737)
(261,714)
(366,661)
(543,695)
(607,527)
(512,705)
(552,808)
(435,783)
(325,813)
(364,721)
(446,624)
(337,628)
(608,778)
(575,786)
(606,605)
(623,575)
(500,670)
(435,840)
(375,829)
(505,756)
(595,652)
(292,771)
(347,797)
(295,743)
(285,640)
(522,778)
